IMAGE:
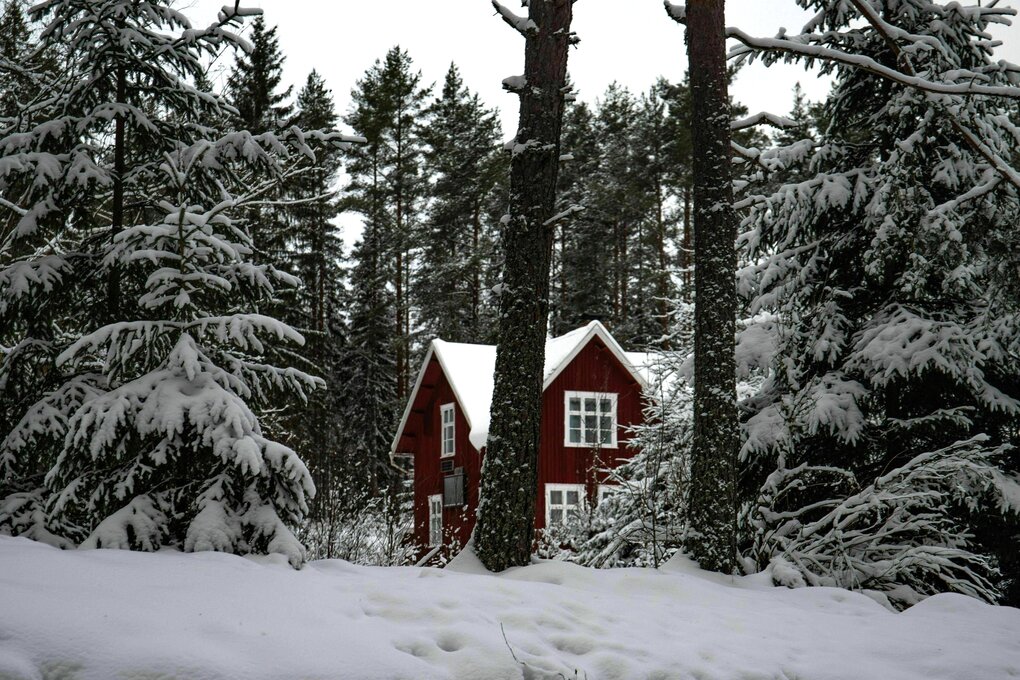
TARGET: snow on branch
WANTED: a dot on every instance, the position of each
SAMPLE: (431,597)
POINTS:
(572,210)
(515,84)
(522,25)
(800,45)
(227,12)
(677,13)
(763,117)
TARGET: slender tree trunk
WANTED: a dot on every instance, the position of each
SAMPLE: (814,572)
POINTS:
(506,512)
(117,210)
(688,246)
(661,288)
(476,275)
(713,508)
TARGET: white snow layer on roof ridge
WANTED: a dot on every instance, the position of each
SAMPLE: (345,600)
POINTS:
(470,370)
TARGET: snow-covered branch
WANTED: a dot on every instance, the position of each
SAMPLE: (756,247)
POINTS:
(560,216)
(763,117)
(522,25)
(677,13)
(804,46)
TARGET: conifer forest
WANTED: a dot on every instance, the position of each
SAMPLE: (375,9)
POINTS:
(650,327)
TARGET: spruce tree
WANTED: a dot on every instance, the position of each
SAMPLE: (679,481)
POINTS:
(314,253)
(880,442)
(506,509)
(15,45)
(254,82)
(253,88)
(463,155)
(130,277)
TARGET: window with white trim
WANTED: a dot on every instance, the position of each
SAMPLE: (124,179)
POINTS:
(448,430)
(606,490)
(590,419)
(436,520)
(563,501)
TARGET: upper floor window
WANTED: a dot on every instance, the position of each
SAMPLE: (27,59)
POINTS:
(448,430)
(590,419)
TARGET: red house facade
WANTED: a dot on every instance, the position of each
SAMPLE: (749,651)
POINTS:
(593,393)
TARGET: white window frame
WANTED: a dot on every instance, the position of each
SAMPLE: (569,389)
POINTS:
(582,501)
(443,425)
(435,520)
(605,490)
(599,397)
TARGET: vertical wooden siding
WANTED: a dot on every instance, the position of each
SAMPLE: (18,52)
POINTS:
(594,369)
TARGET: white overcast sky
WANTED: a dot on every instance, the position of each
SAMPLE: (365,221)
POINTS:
(628,41)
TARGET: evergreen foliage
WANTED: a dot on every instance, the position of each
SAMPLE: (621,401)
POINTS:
(386,187)
(255,80)
(145,414)
(463,156)
(882,436)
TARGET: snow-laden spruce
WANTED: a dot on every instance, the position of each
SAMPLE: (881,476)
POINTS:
(880,439)
(131,300)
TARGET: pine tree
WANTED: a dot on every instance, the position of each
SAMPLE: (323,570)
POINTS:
(506,509)
(387,185)
(713,503)
(568,305)
(613,257)
(462,152)
(387,189)
(878,443)
(147,423)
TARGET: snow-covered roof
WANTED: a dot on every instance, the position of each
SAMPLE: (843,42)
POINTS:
(470,370)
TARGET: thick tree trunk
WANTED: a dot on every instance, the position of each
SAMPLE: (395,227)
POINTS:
(506,514)
(713,508)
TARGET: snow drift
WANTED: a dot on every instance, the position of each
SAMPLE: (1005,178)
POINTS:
(99,614)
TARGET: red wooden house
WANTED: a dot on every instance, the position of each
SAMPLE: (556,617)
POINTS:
(592,394)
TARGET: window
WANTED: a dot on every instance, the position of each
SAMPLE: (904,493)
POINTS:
(448,430)
(590,419)
(453,489)
(436,520)
(607,490)
(562,501)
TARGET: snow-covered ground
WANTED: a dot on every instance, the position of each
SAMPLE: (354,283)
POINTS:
(102,614)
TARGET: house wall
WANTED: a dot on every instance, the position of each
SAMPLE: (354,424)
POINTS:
(594,369)
(426,426)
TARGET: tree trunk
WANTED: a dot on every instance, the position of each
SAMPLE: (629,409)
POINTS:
(688,246)
(117,209)
(661,280)
(506,511)
(476,276)
(713,508)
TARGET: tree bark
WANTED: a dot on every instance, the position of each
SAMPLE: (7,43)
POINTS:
(117,209)
(505,530)
(713,507)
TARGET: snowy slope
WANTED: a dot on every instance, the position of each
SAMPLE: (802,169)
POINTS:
(98,614)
